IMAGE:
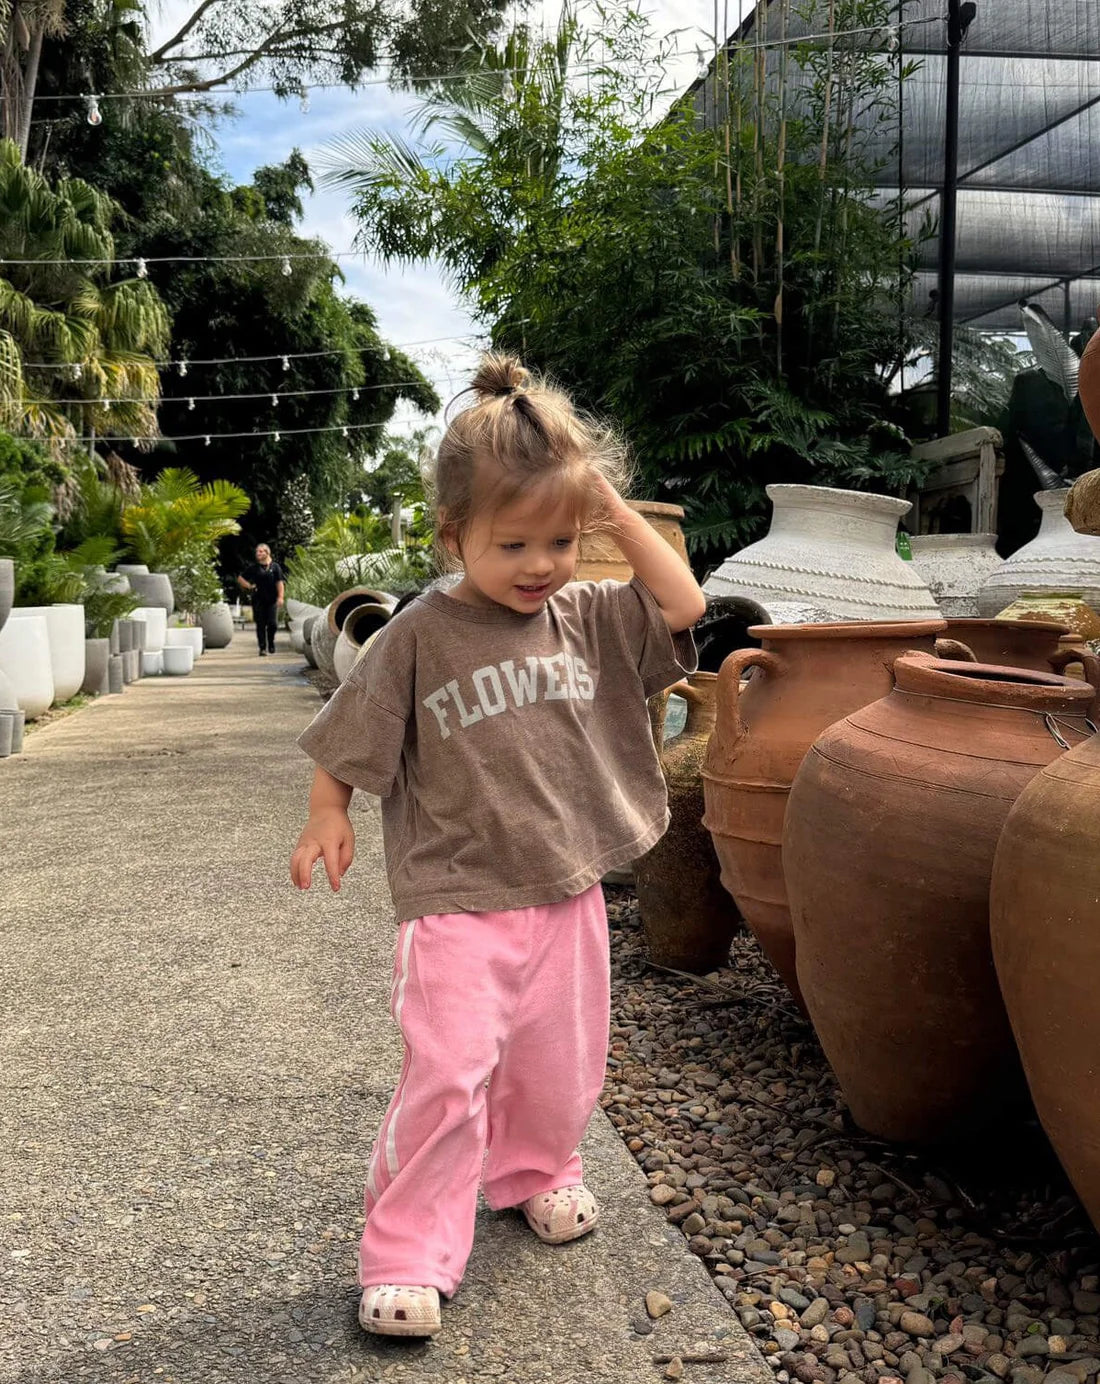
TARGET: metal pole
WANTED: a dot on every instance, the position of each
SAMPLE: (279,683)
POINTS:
(949,219)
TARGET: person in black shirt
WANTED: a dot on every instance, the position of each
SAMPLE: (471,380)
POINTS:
(265,582)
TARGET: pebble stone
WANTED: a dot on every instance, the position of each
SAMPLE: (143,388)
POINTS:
(847,1261)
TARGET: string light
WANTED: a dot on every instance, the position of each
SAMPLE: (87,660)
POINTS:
(287,271)
(94,115)
(355,394)
(190,406)
(183,367)
(508,90)
(184,363)
(191,400)
(207,438)
(344,431)
(303,99)
(142,269)
(286,364)
(274,401)
(275,437)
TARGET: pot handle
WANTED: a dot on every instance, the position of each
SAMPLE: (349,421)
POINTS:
(955,650)
(694,699)
(730,674)
(1091,663)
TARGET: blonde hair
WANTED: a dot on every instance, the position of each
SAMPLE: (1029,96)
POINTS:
(520,433)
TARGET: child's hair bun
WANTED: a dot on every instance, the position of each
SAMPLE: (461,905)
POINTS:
(499,376)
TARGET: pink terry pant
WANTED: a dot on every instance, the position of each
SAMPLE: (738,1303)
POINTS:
(520,998)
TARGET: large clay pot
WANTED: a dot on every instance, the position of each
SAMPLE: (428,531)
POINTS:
(1046,946)
(96,655)
(1010,643)
(217,626)
(686,914)
(955,565)
(65,625)
(358,627)
(1088,383)
(25,660)
(600,557)
(7,588)
(806,677)
(154,589)
(1057,560)
(891,829)
(830,550)
(308,625)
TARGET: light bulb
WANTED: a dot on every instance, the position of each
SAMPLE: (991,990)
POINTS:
(183,367)
(508,90)
(286,363)
(206,439)
(355,394)
(386,353)
(133,442)
(78,370)
(344,431)
(287,271)
(94,115)
(274,400)
(142,270)
(275,437)
(303,100)
(190,406)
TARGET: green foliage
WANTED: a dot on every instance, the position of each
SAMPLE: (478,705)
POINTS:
(99,336)
(728,292)
(313,575)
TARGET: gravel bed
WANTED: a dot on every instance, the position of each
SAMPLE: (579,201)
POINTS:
(846,1258)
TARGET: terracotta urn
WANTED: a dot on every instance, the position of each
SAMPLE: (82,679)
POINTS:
(687,916)
(804,677)
(955,565)
(1083,499)
(1057,560)
(1046,946)
(891,830)
(601,559)
(1088,383)
(831,552)
(1010,643)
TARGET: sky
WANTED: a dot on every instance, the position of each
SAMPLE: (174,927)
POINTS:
(415,303)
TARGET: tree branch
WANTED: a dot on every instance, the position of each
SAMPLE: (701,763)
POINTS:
(181,34)
(251,58)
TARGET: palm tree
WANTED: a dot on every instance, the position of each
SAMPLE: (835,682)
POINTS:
(511,107)
(176,515)
(98,338)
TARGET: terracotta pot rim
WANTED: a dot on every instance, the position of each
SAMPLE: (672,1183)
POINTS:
(1025,689)
(658,508)
(856,629)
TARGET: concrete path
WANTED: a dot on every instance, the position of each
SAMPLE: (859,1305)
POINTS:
(193,1060)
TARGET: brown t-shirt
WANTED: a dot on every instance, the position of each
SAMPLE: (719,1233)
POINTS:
(513,753)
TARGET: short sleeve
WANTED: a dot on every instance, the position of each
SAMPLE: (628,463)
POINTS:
(661,657)
(358,736)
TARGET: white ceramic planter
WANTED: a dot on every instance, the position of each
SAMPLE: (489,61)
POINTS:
(8,700)
(299,610)
(65,625)
(17,721)
(152,663)
(129,569)
(155,619)
(190,637)
(25,659)
(154,589)
(178,660)
(359,628)
(1059,559)
(217,626)
(829,555)
(7,588)
(955,566)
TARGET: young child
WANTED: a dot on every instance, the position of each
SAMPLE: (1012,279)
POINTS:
(504,725)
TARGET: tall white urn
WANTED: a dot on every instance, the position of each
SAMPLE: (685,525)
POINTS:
(155,620)
(828,555)
(955,565)
(1058,559)
(25,661)
(65,626)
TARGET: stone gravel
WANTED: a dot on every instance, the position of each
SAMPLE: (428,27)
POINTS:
(847,1259)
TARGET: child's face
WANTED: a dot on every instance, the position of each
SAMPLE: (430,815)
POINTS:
(519,556)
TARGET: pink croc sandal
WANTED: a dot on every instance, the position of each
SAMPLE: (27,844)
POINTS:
(564,1214)
(393,1309)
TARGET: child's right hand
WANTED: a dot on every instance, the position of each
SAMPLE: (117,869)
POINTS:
(327,836)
